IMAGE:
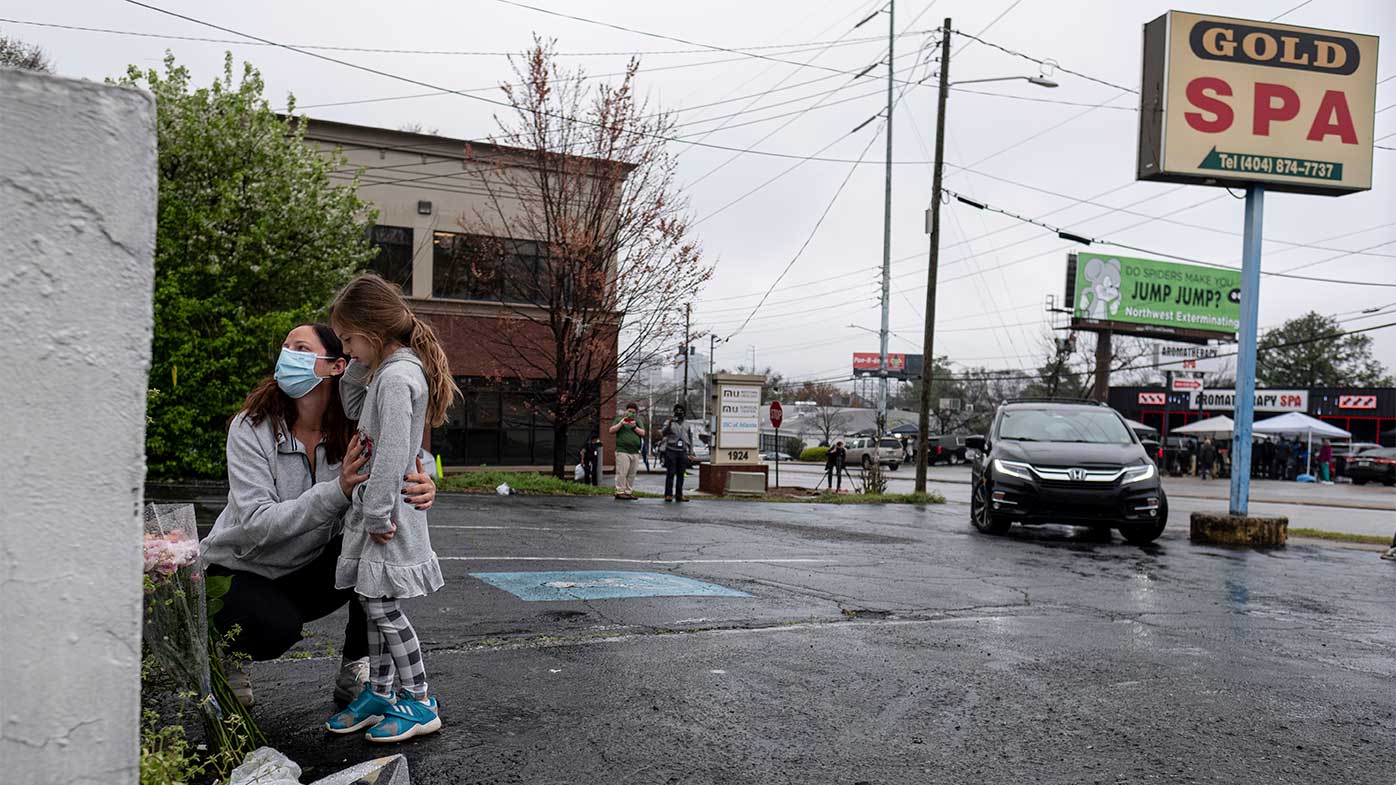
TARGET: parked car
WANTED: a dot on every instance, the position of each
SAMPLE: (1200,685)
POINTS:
(1069,463)
(866,450)
(946,448)
(772,455)
(1344,453)
(1377,465)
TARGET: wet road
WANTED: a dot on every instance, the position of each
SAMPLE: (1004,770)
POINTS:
(1369,509)
(878,645)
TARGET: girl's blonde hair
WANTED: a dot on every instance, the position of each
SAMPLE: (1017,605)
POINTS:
(375,308)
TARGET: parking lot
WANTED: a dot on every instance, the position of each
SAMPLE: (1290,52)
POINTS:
(1368,509)
(887,644)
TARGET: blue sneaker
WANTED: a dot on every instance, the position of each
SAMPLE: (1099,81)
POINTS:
(405,719)
(367,709)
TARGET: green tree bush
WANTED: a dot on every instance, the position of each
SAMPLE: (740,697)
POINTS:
(253,238)
(816,454)
(1313,351)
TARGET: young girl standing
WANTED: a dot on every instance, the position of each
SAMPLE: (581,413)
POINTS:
(397,383)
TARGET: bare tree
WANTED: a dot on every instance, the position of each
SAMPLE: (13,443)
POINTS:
(828,415)
(14,53)
(584,237)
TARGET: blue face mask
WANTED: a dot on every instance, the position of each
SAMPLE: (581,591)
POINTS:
(295,372)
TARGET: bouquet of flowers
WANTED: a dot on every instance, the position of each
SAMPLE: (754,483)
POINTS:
(179,599)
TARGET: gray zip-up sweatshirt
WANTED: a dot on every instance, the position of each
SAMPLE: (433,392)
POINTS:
(392,412)
(279,517)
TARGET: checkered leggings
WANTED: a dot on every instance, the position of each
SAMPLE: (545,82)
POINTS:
(393,649)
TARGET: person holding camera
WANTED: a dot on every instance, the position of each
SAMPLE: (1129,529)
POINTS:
(677,439)
(833,465)
(629,445)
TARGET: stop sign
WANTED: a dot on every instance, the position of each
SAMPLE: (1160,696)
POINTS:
(776,414)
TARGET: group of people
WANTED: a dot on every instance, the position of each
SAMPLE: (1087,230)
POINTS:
(1284,459)
(327,502)
(674,446)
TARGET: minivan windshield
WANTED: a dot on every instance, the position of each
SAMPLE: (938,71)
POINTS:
(1091,426)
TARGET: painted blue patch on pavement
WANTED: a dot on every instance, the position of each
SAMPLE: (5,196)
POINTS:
(600,585)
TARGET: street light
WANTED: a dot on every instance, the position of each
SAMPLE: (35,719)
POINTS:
(928,340)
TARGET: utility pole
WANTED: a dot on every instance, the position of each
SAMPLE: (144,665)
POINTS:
(687,316)
(707,384)
(1104,356)
(929,336)
(887,224)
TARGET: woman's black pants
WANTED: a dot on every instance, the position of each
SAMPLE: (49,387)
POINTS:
(269,613)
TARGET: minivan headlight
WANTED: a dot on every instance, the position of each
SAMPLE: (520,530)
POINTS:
(1013,468)
(1139,473)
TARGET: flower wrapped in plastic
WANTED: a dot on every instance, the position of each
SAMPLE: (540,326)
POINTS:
(179,599)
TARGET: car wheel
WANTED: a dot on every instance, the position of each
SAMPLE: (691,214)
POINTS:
(981,516)
(1356,481)
(867,462)
(894,466)
(1143,533)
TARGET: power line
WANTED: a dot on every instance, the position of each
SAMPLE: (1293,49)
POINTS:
(664,37)
(820,222)
(807,45)
(491,101)
(1094,240)
(1044,62)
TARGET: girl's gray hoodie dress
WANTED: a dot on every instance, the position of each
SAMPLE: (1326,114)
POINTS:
(392,411)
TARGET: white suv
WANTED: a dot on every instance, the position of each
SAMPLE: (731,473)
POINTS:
(865,450)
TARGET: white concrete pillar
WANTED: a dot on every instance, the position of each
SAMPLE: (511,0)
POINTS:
(77,237)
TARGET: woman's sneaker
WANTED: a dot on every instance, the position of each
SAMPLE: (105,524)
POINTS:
(407,718)
(1390,554)
(365,711)
(352,676)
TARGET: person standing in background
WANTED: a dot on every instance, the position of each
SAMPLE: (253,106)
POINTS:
(591,460)
(629,445)
(1206,457)
(677,439)
(1325,463)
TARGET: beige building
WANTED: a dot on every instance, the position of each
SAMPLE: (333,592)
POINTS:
(432,194)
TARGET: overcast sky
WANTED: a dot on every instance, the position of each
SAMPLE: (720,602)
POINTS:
(993,287)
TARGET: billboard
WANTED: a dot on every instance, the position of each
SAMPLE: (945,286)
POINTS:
(899,366)
(1184,302)
(1229,102)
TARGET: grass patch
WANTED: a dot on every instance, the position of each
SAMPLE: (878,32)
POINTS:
(1320,534)
(524,484)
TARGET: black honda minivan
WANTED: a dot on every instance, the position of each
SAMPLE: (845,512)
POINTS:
(1065,462)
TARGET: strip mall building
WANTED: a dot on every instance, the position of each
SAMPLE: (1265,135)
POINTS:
(1368,413)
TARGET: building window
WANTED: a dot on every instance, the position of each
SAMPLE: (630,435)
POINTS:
(500,423)
(475,267)
(394,259)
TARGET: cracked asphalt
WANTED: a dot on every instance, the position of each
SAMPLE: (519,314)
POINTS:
(888,644)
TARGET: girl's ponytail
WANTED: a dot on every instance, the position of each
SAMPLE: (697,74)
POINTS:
(442,389)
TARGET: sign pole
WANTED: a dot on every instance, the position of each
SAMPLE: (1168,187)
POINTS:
(1245,350)
(777,456)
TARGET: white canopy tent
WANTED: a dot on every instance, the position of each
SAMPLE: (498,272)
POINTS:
(1135,425)
(1220,426)
(1299,424)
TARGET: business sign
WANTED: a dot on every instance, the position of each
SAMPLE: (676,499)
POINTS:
(1153,399)
(1229,102)
(1265,400)
(1187,385)
(738,419)
(1357,401)
(899,366)
(1185,358)
(1185,302)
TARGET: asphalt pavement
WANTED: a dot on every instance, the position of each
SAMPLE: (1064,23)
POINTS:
(887,644)
(1369,509)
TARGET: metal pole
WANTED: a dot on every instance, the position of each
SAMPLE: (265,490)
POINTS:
(777,456)
(687,313)
(887,227)
(708,385)
(1167,405)
(928,337)
(1245,349)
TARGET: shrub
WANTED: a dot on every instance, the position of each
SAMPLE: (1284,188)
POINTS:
(816,454)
